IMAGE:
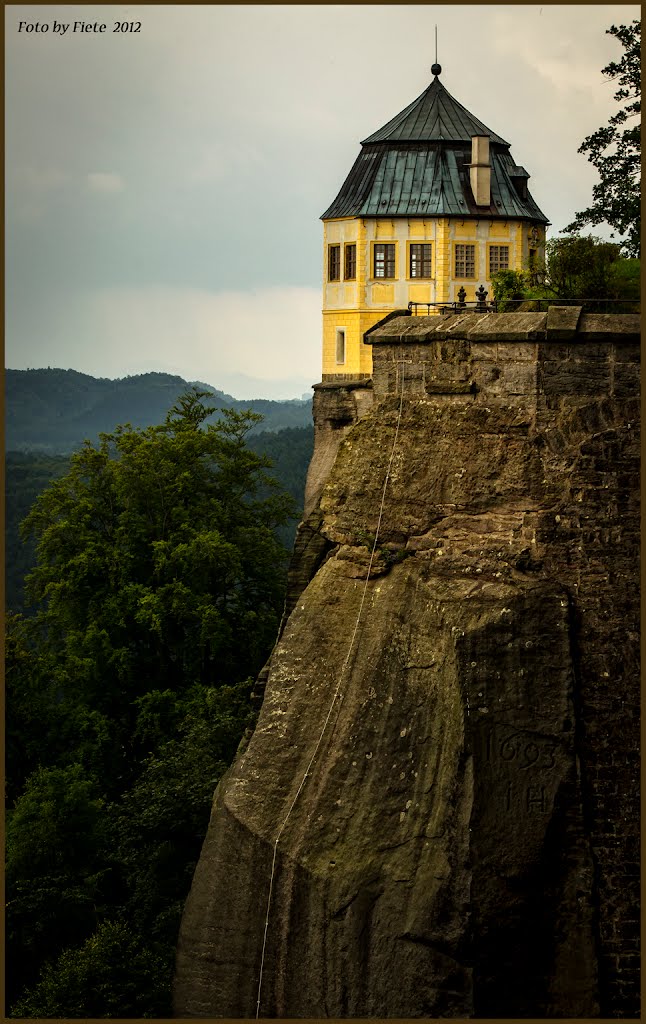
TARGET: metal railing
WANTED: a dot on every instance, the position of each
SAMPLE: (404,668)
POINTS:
(450,307)
(524,306)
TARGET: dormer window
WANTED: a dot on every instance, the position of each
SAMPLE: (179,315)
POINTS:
(519,178)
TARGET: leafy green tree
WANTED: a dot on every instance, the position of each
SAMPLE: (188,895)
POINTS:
(54,868)
(576,268)
(26,475)
(509,285)
(45,726)
(158,567)
(115,973)
(615,150)
(159,586)
(580,267)
(159,824)
(625,282)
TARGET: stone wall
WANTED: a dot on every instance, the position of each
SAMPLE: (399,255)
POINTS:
(578,379)
(465,843)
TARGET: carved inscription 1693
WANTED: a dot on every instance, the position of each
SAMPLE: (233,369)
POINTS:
(530,756)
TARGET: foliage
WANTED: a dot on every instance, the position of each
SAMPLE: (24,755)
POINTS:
(624,281)
(159,585)
(615,150)
(54,874)
(580,267)
(289,451)
(115,973)
(159,823)
(508,284)
(26,475)
(576,268)
(157,564)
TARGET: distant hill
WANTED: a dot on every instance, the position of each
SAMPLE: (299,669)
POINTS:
(53,411)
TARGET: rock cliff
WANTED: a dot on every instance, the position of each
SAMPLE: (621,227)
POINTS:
(465,841)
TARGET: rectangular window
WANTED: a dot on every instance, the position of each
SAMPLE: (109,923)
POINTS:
(350,269)
(340,344)
(384,257)
(334,263)
(420,260)
(465,260)
(498,258)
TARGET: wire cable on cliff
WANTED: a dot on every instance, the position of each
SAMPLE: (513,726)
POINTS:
(338,696)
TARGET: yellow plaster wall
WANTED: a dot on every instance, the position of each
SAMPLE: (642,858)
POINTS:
(384,293)
(358,356)
(358,304)
(443,256)
(465,231)
(384,229)
(420,292)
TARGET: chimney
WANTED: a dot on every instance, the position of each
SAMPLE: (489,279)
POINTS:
(480,170)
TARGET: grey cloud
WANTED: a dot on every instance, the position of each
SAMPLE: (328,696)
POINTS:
(233,128)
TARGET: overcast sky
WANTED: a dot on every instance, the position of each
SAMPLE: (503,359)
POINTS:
(164,188)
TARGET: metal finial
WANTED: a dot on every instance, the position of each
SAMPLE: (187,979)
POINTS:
(437,68)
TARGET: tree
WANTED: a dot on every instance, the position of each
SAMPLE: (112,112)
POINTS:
(54,871)
(576,268)
(509,285)
(581,268)
(158,567)
(159,824)
(159,586)
(26,475)
(115,973)
(615,151)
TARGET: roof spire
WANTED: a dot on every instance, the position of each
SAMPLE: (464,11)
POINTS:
(437,68)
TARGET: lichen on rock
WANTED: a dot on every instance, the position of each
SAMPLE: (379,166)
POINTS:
(442,857)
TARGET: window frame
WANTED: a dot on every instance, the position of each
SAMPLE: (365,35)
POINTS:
(340,338)
(423,260)
(498,246)
(334,256)
(347,249)
(464,277)
(388,261)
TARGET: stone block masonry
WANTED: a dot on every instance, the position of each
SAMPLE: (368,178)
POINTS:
(466,844)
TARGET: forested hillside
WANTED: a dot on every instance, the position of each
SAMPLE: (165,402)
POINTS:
(157,583)
(52,410)
(28,473)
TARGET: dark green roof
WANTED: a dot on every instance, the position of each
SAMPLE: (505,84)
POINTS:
(433,117)
(418,165)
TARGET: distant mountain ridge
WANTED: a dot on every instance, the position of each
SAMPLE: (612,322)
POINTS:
(54,410)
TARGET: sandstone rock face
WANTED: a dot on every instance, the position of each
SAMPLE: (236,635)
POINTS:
(464,842)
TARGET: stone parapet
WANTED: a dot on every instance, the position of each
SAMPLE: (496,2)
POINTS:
(557,324)
(509,357)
